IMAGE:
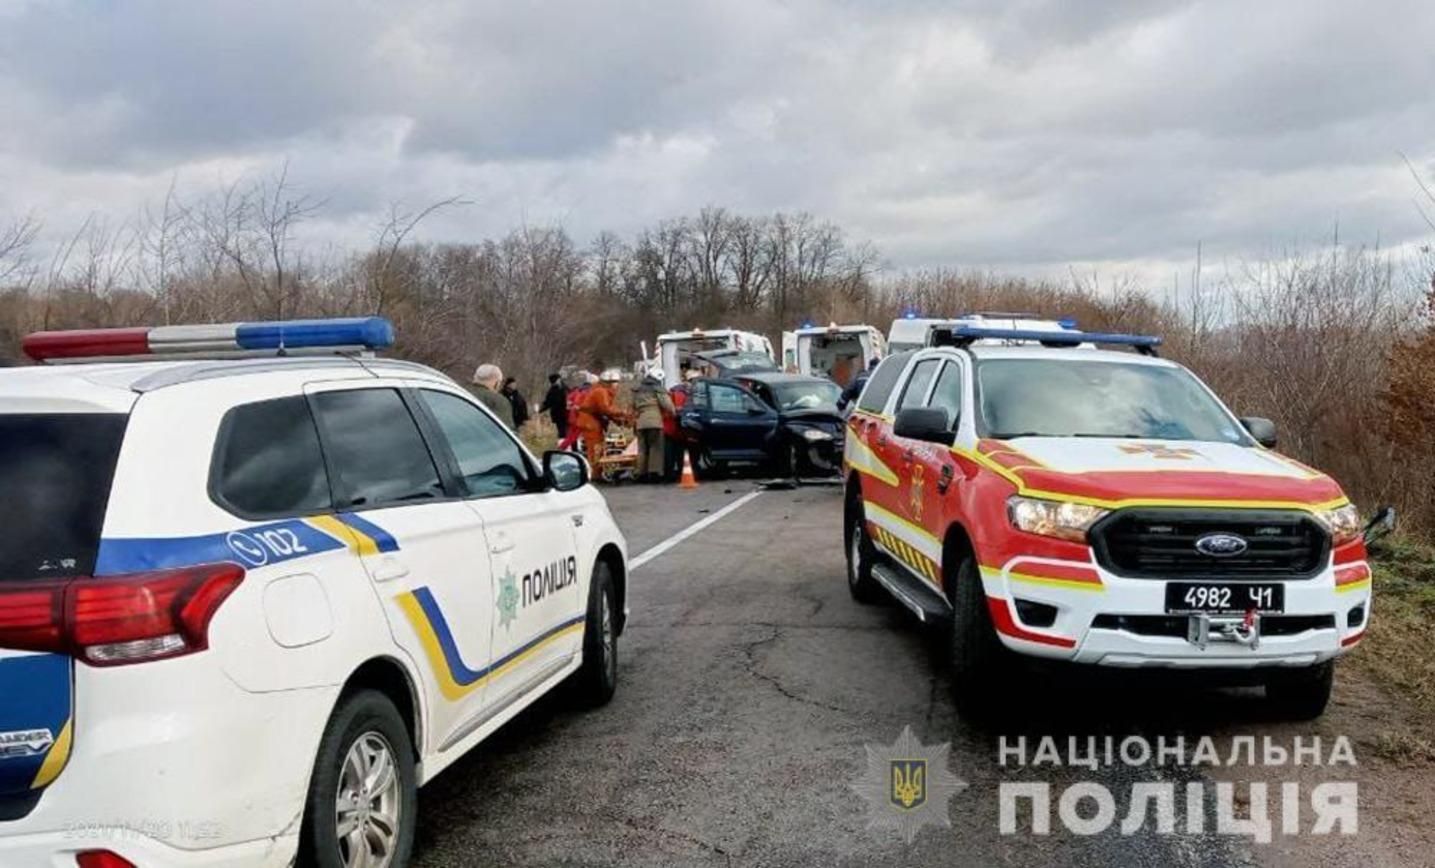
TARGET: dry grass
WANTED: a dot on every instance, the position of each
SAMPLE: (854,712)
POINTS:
(1398,651)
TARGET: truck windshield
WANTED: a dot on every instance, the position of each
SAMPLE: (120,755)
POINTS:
(1066,398)
(55,474)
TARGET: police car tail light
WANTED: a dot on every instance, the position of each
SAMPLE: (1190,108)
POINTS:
(32,616)
(352,334)
(146,616)
(101,859)
(118,619)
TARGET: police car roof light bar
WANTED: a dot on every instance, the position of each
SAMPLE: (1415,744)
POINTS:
(351,334)
(964,335)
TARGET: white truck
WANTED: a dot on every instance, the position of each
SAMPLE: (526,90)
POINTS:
(675,349)
(837,352)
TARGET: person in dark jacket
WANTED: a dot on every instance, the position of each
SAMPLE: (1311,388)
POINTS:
(854,388)
(555,404)
(520,404)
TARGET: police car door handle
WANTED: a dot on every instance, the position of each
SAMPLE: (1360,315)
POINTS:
(389,568)
(501,543)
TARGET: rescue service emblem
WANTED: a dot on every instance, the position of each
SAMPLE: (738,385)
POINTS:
(916,491)
(1157,450)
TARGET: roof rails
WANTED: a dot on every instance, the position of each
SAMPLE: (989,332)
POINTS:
(957,335)
(340,336)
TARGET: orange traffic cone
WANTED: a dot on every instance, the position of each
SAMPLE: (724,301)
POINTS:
(689,480)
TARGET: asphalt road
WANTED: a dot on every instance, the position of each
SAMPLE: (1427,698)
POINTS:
(750,684)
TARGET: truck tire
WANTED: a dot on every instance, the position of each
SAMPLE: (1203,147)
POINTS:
(977,658)
(364,790)
(860,555)
(1301,695)
(596,680)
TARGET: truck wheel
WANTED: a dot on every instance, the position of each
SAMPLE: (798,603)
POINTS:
(1301,695)
(860,554)
(596,680)
(977,657)
(363,794)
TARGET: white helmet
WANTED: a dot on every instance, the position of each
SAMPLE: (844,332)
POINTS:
(657,374)
(611,376)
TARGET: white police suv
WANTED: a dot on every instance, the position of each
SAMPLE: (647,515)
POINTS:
(249,605)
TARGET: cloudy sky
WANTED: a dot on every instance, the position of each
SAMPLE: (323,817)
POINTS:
(1019,134)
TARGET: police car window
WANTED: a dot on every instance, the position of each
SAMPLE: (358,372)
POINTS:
(916,389)
(55,472)
(879,387)
(948,393)
(267,460)
(488,459)
(728,399)
(699,395)
(375,448)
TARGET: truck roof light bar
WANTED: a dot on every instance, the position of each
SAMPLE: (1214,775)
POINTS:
(965,335)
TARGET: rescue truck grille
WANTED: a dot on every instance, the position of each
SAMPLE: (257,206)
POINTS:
(1163,543)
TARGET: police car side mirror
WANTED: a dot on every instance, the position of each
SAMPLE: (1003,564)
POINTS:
(929,424)
(564,471)
(1264,430)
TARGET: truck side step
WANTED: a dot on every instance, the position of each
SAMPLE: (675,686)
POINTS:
(926,604)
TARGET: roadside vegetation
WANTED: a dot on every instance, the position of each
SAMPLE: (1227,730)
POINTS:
(1335,344)
(1398,650)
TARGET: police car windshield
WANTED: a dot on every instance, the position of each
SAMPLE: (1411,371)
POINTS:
(55,475)
(1066,398)
(807,395)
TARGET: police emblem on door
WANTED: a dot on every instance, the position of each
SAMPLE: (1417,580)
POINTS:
(909,783)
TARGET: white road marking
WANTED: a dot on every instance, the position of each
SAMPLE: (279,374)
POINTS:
(689,531)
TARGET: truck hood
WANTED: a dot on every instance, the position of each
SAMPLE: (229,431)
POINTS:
(1155,472)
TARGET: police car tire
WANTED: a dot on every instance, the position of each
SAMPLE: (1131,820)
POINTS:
(860,584)
(1301,695)
(358,714)
(597,678)
(977,657)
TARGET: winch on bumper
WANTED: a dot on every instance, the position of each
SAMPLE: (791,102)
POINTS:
(1084,613)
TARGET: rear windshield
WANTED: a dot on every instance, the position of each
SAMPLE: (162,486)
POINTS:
(55,475)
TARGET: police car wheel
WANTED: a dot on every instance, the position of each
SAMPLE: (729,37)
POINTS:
(976,655)
(597,678)
(1301,695)
(363,792)
(860,554)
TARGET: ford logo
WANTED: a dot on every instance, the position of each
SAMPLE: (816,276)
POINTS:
(1221,545)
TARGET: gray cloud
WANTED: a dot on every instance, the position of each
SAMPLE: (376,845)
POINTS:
(1017,133)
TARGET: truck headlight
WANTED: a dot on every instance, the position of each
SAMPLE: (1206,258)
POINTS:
(815,435)
(1342,522)
(1068,521)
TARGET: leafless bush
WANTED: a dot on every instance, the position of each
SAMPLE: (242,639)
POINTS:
(1332,345)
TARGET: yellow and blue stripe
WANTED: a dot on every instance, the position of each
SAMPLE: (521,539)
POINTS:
(456,679)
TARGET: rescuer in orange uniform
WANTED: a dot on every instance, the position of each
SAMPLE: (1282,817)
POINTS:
(597,410)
